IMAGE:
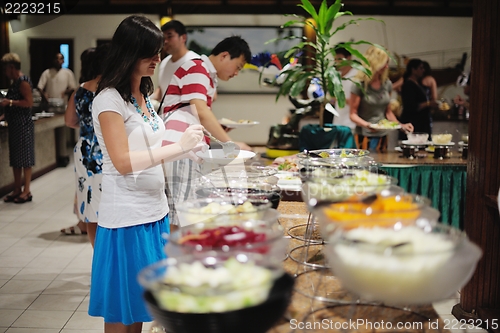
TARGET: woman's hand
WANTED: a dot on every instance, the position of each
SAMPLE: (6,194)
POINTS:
(191,137)
(407,128)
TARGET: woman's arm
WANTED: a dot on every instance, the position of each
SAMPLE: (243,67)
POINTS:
(126,161)
(408,127)
(70,116)
(430,82)
(26,100)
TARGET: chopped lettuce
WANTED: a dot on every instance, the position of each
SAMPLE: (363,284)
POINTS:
(200,289)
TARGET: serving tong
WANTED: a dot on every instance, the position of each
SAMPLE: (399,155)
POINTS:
(228,147)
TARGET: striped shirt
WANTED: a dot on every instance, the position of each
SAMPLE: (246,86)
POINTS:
(195,79)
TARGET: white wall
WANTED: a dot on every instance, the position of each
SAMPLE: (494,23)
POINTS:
(439,40)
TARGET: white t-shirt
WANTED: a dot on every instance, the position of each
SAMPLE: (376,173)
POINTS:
(168,68)
(344,118)
(138,197)
(55,82)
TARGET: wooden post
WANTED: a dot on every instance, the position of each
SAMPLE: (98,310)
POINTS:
(480,298)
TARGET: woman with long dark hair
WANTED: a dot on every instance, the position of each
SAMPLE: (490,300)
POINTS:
(133,211)
(417,104)
(87,153)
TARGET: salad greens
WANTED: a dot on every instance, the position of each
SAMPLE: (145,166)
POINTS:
(194,288)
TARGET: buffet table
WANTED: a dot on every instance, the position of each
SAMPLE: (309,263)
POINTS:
(442,181)
(307,314)
(46,150)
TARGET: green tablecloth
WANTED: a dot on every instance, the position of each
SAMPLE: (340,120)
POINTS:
(443,184)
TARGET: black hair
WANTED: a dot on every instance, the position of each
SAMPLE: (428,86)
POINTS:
(342,50)
(175,25)
(427,68)
(92,61)
(412,64)
(235,46)
(87,59)
(101,54)
(135,38)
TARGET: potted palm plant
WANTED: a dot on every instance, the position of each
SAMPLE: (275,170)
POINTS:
(319,54)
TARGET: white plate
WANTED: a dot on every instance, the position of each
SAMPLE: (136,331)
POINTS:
(236,124)
(217,156)
(377,127)
(44,114)
(288,178)
(407,142)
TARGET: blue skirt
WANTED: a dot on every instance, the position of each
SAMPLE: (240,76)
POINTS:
(119,255)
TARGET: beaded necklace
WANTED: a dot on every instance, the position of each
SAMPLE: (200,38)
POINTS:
(153,122)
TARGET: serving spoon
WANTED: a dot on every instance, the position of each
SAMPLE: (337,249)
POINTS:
(228,147)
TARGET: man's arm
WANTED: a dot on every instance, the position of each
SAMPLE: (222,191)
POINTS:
(211,124)
(208,120)
(42,83)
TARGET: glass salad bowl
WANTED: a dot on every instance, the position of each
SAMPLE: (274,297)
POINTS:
(216,292)
(234,208)
(380,209)
(339,185)
(237,189)
(331,154)
(259,174)
(228,236)
(401,264)
(316,168)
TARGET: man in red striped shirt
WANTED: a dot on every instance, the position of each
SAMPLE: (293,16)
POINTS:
(188,101)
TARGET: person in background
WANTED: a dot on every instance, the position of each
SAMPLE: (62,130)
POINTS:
(188,100)
(417,104)
(373,104)
(429,82)
(133,212)
(17,104)
(175,45)
(347,73)
(57,82)
(87,153)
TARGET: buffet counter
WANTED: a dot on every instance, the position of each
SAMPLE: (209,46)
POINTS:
(441,180)
(46,153)
(307,313)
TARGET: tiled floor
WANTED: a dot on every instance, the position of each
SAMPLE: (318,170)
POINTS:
(44,276)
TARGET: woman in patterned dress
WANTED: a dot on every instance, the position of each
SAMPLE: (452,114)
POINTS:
(17,105)
(87,152)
